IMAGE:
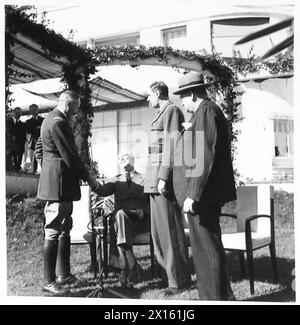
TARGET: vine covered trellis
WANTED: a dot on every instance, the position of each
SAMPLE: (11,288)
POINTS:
(82,63)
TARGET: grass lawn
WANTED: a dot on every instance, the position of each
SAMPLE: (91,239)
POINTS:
(24,260)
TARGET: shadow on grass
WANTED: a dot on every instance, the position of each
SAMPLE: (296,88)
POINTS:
(108,288)
(280,292)
(285,295)
(263,272)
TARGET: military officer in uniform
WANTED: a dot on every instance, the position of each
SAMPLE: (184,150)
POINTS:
(59,187)
(166,217)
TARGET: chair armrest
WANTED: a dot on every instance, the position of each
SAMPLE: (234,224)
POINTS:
(256,216)
(248,226)
(228,215)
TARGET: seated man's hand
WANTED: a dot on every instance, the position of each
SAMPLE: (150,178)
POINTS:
(188,206)
(93,183)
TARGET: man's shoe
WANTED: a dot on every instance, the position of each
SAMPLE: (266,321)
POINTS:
(123,279)
(136,274)
(172,291)
(69,280)
(54,289)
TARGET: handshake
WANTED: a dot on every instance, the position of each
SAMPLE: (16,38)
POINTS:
(93,183)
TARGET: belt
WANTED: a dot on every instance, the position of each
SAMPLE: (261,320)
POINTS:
(155,149)
(51,155)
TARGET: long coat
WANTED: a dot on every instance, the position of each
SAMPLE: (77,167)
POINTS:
(206,174)
(166,126)
(61,166)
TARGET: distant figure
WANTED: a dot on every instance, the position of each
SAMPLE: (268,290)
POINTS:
(33,128)
(131,216)
(17,131)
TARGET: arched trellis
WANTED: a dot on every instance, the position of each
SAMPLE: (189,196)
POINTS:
(213,67)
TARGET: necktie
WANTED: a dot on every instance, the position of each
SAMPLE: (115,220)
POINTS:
(128,178)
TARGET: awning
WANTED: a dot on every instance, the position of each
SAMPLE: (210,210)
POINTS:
(30,60)
(45,92)
(262,78)
(39,53)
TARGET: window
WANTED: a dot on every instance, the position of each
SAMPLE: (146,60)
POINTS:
(171,34)
(113,131)
(129,129)
(133,38)
(225,32)
(284,138)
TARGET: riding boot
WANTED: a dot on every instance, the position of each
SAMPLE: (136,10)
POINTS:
(64,276)
(63,256)
(49,256)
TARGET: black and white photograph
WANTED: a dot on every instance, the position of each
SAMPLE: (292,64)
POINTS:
(149,153)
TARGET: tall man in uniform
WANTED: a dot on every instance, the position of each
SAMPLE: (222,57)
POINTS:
(166,217)
(59,186)
(203,182)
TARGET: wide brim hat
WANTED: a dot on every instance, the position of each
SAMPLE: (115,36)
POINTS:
(190,81)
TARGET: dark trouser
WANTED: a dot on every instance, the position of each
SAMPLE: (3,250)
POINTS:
(124,227)
(209,255)
(17,160)
(169,240)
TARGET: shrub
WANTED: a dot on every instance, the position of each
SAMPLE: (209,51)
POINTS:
(284,207)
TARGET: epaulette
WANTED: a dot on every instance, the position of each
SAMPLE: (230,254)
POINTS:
(58,118)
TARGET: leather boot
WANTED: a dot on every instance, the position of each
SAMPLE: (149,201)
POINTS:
(63,262)
(49,256)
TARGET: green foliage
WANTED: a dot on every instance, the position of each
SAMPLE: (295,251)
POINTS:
(27,210)
(284,207)
(244,66)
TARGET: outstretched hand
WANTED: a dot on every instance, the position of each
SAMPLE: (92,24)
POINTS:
(161,186)
(188,206)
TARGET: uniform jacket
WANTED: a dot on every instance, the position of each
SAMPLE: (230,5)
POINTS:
(164,129)
(127,196)
(33,128)
(206,174)
(61,166)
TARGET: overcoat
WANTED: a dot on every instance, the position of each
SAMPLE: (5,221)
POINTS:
(61,166)
(206,173)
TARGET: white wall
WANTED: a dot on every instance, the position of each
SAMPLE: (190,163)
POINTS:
(261,102)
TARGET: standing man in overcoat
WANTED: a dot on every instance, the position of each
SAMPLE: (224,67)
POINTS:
(166,216)
(59,187)
(203,182)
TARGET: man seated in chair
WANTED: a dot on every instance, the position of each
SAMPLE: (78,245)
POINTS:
(131,216)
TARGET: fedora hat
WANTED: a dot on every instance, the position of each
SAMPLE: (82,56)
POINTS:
(189,81)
